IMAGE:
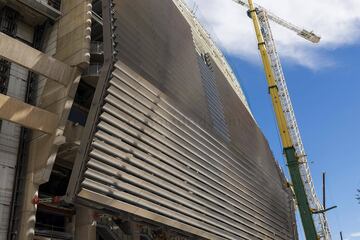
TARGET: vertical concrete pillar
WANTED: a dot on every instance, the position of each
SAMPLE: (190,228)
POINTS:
(38,153)
(27,226)
(70,225)
(84,224)
(135,230)
(73,45)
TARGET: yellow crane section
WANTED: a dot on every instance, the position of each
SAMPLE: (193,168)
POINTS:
(289,149)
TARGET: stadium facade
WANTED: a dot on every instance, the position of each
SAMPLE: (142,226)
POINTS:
(122,120)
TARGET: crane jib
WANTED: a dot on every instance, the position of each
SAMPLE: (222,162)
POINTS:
(307,35)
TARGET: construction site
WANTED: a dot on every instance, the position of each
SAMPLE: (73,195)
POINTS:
(122,120)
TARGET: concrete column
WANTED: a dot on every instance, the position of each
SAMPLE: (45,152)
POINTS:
(72,52)
(27,226)
(84,225)
(70,225)
(28,212)
(135,230)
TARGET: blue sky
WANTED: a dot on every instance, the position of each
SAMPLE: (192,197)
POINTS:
(326,104)
(324,85)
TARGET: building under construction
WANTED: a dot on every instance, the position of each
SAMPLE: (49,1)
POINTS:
(122,120)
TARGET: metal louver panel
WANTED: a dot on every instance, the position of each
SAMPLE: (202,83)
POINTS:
(142,154)
(148,156)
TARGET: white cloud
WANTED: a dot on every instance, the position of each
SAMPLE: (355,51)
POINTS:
(355,235)
(336,21)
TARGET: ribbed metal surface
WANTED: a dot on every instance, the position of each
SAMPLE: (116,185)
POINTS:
(213,98)
(155,40)
(148,148)
(147,154)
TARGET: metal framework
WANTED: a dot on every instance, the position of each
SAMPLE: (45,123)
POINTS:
(285,115)
(320,219)
(308,35)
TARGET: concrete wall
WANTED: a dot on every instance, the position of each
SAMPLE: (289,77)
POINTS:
(69,41)
(73,36)
(50,44)
(10,133)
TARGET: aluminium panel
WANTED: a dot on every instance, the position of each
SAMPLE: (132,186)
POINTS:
(146,154)
(147,147)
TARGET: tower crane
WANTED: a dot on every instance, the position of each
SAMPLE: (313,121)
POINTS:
(312,212)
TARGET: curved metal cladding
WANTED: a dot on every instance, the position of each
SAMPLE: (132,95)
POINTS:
(154,147)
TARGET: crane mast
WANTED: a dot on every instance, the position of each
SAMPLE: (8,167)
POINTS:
(320,219)
(315,226)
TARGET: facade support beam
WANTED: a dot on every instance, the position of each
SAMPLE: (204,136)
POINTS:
(27,115)
(20,53)
(84,227)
